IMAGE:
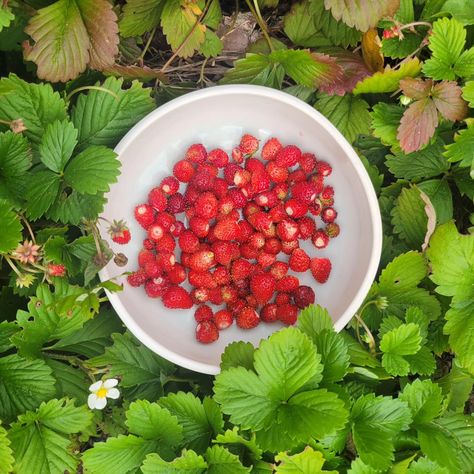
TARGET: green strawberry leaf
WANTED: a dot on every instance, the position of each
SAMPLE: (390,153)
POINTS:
(306,462)
(11,228)
(425,466)
(468,93)
(70,381)
(440,195)
(197,418)
(15,160)
(43,189)
(238,354)
(70,34)
(448,60)
(57,145)
(92,170)
(140,16)
(150,421)
(236,442)
(121,455)
(188,463)
(425,163)
(41,438)
(120,109)
(221,461)
(462,149)
(385,122)
(348,113)
(6,16)
(6,454)
(24,384)
(424,399)
(449,441)
(313,319)
(36,104)
(375,422)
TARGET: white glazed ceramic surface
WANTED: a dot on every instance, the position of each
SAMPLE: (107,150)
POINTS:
(217,117)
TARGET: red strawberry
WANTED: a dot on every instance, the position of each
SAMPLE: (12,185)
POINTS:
(243,287)
(304,192)
(241,178)
(246,230)
(237,155)
(153,269)
(237,307)
(272,245)
(227,229)
(176,203)
(320,239)
(177,297)
(190,195)
(145,256)
(247,318)
(265,259)
(279,270)
(303,296)
(267,199)
(206,205)
(323,168)
(157,199)
(251,301)
(307,162)
(166,244)
(287,314)
(207,332)
(177,274)
(296,208)
(199,226)
(218,157)
(328,215)
(327,194)
(281,190)
(222,252)
(165,219)
(306,227)
(288,246)
(240,269)
(263,286)
(233,215)
(299,260)
(248,252)
(196,153)
(167,260)
(269,313)
(203,313)
(257,240)
(278,174)
(287,284)
(183,171)
(209,168)
(288,156)
(332,230)
(260,221)
(155,232)
(315,208)
(296,176)
(177,229)
(220,187)
(271,148)
(200,295)
(169,185)
(156,287)
(226,205)
(282,298)
(188,242)
(137,278)
(287,230)
(215,296)
(229,294)
(248,144)
(237,197)
(202,261)
(318,181)
(144,215)
(320,268)
(260,181)
(202,279)
(223,319)
(148,244)
(250,208)
(203,181)
(221,275)
(278,213)
(119,232)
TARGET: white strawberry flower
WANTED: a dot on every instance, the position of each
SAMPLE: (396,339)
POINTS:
(102,390)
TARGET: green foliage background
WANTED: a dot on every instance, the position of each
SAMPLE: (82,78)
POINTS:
(391,393)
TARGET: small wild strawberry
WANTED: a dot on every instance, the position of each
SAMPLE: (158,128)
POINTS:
(288,156)
(169,185)
(223,319)
(203,313)
(248,318)
(287,314)
(196,153)
(299,260)
(207,332)
(328,214)
(303,296)
(332,230)
(271,148)
(248,144)
(157,199)
(183,171)
(320,268)
(56,270)
(177,297)
(144,215)
(119,232)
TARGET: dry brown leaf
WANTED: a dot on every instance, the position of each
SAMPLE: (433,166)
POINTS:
(371,50)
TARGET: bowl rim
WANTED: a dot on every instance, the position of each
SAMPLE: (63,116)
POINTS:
(293,101)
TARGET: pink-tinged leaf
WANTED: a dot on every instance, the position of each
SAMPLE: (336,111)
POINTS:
(353,71)
(448,100)
(416,88)
(361,14)
(101,23)
(418,125)
(144,73)
(333,72)
(70,34)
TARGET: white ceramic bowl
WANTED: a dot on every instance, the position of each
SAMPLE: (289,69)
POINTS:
(217,117)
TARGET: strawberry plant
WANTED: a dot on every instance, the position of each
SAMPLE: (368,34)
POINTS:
(391,393)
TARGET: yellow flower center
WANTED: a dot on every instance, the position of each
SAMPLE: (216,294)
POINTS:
(101,393)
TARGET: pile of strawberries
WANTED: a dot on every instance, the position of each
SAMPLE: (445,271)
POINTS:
(241,214)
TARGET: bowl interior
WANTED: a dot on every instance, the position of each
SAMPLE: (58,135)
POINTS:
(218,117)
